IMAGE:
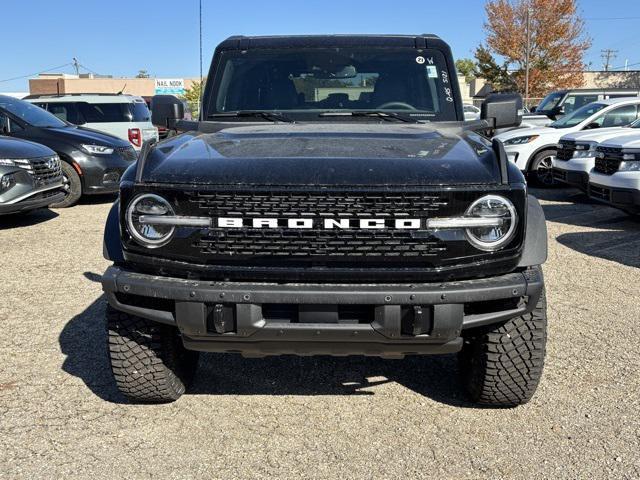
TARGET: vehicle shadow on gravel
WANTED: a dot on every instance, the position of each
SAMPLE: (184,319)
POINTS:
(98,199)
(610,234)
(83,342)
(28,219)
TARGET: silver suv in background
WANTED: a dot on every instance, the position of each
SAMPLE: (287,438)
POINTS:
(122,115)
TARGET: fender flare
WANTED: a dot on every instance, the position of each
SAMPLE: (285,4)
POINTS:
(111,246)
(535,241)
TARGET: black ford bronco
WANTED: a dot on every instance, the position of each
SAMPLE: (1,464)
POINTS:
(330,201)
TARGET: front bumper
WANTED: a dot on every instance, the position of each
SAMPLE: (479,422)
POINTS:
(101,173)
(388,320)
(572,177)
(624,198)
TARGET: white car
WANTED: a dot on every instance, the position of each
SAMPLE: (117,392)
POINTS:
(615,178)
(471,112)
(121,115)
(576,153)
(533,149)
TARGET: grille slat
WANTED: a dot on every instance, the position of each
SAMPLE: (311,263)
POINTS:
(128,153)
(44,169)
(565,152)
(608,160)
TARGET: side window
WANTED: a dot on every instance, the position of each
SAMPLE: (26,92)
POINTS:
(66,111)
(618,117)
(14,127)
(574,102)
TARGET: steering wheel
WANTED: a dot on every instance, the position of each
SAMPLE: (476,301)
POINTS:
(401,105)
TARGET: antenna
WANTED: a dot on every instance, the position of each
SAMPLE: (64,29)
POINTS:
(120,92)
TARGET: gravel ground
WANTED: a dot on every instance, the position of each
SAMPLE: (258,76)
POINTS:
(289,417)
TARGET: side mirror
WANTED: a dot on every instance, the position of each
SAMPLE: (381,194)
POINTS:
(533,108)
(591,126)
(502,110)
(166,110)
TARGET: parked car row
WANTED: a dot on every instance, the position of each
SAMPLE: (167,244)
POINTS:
(87,160)
(596,148)
(533,149)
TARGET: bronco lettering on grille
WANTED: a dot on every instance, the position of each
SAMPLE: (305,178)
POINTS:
(323,223)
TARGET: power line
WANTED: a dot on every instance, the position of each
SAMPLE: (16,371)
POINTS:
(611,18)
(34,74)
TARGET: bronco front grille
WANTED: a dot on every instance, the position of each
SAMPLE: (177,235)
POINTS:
(608,160)
(316,242)
(44,169)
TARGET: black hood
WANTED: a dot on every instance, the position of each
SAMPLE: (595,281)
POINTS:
(15,148)
(325,154)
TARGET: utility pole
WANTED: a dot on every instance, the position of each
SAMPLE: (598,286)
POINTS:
(607,56)
(76,65)
(526,59)
(201,77)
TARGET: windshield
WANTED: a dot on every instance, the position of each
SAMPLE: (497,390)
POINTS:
(550,102)
(578,116)
(29,113)
(316,80)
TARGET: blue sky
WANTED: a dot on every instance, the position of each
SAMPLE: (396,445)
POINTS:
(119,37)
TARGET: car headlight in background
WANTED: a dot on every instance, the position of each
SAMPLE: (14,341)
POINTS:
(489,223)
(150,235)
(6,182)
(585,150)
(520,140)
(97,149)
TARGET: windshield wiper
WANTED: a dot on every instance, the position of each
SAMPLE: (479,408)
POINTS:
(388,116)
(270,116)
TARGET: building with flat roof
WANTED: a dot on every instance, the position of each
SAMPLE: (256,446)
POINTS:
(61,83)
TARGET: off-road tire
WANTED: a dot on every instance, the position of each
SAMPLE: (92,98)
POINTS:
(72,187)
(541,171)
(501,365)
(148,359)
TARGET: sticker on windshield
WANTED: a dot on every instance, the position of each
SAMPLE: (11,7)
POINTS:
(420,60)
(432,71)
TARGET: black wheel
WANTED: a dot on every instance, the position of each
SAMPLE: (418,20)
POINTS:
(72,187)
(148,359)
(541,171)
(501,365)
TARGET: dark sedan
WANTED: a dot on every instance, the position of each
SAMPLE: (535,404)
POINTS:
(92,162)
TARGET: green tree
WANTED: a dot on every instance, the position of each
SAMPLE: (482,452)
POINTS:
(142,74)
(192,95)
(466,67)
(496,75)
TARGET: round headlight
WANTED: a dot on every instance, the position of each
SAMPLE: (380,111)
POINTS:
(496,236)
(148,234)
